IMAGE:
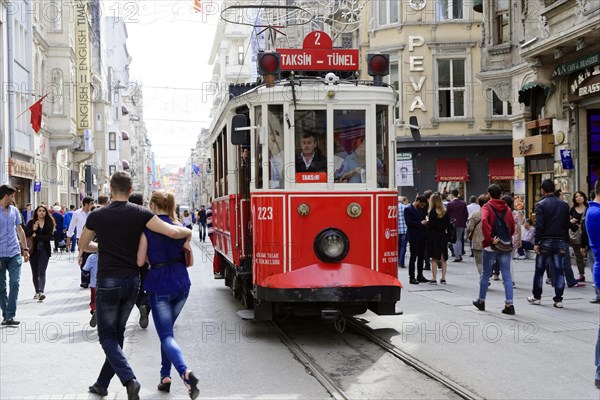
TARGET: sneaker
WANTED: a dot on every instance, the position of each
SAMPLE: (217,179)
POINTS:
(143,316)
(508,309)
(37,296)
(548,281)
(534,301)
(558,304)
(521,258)
(422,279)
(93,320)
(432,282)
(578,284)
(84,285)
(41,297)
(479,304)
(413,281)
(595,301)
(514,285)
(496,277)
(10,322)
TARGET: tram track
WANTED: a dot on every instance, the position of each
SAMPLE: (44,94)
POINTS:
(361,329)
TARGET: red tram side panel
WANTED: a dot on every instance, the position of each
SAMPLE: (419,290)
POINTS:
(227,215)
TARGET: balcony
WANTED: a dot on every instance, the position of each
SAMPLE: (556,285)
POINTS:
(539,126)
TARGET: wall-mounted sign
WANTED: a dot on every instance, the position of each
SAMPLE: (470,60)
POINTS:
(404,169)
(21,169)
(566,159)
(82,74)
(584,83)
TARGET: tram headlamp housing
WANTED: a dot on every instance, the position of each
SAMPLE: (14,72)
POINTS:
(331,245)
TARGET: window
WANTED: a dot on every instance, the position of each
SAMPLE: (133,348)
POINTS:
(57,89)
(241,54)
(382,160)
(386,12)
(112,140)
(20,108)
(350,163)
(112,169)
(449,9)
(394,81)
(451,88)
(310,128)
(499,108)
(501,23)
(258,146)
(276,143)
(53,14)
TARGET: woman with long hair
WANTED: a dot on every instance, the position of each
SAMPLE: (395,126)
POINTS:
(580,205)
(41,228)
(437,237)
(168,286)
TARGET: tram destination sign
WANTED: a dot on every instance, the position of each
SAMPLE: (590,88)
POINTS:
(317,54)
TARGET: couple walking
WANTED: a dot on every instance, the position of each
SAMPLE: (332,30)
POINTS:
(121,228)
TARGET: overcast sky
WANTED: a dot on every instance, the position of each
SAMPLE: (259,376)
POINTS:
(170,44)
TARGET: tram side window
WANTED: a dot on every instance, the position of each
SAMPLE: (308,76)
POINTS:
(258,153)
(350,152)
(276,162)
(383,163)
(310,127)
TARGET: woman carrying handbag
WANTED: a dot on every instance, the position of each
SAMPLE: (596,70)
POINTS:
(41,230)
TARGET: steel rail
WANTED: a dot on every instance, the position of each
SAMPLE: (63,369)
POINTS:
(367,332)
(334,390)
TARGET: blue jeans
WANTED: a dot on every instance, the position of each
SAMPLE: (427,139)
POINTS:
(598,355)
(202,231)
(489,257)
(569,276)
(9,303)
(525,246)
(552,253)
(402,243)
(115,298)
(165,310)
(458,245)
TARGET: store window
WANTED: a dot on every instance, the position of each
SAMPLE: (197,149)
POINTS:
(452,173)
(538,169)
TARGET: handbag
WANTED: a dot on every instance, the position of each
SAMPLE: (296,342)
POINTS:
(575,237)
(187,255)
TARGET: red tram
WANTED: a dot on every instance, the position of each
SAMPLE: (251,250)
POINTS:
(305,200)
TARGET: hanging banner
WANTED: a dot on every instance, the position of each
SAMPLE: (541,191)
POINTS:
(82,67)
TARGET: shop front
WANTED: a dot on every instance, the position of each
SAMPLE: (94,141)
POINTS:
(21,174)
(446,163)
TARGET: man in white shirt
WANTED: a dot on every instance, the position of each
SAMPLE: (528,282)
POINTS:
(473,206)
(78,222)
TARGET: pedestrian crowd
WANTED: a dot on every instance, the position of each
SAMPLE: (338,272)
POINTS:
(127,253)
(431,226)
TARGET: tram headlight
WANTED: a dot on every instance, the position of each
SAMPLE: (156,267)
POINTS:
(331,245)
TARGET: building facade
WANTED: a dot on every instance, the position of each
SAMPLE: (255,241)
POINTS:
(435,50)
(544,57)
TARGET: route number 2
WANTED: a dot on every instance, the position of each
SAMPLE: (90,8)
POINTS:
(265,213)
(393,212)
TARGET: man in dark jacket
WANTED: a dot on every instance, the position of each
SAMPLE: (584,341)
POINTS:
(59,233)
(551,242)
(458,213)
(310,158)
(202,223)
(414,216)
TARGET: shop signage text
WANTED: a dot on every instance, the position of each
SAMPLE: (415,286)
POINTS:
(317,54)
(585,83)
(576,65)
(21,169)
(415,64)
(82,68)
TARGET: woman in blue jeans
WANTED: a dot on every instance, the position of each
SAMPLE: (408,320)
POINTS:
(168,285)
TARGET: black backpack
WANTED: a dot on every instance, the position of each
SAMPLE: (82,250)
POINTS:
(500,231)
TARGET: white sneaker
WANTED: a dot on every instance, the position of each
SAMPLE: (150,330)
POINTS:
(37,296)
(533,300)
(558,304)
(42,297)
(522,258)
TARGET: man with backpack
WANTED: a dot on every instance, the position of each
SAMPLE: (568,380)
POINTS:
(552,223)
(497,226)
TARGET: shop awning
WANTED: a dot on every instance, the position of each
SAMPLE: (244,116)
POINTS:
(452,170)
(524,92)
(124,135)
(501,169)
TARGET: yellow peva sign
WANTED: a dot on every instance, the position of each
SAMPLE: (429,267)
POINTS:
(82,57)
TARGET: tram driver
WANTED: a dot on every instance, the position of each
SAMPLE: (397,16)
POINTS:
(310,158)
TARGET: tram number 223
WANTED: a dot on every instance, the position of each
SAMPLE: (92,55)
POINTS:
(393,212)
(265,213)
